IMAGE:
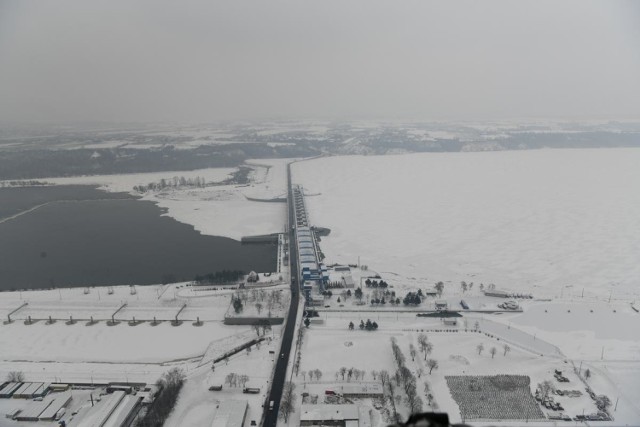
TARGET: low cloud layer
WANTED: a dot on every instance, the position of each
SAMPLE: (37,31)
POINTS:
(206,61)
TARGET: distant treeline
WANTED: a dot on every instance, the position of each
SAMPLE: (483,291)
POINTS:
(168,390)
(223,276)
(23,183)
(40,163)
(175,182)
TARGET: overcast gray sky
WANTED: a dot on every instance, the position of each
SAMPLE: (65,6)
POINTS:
(209,60)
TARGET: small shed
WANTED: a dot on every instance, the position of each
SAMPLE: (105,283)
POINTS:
(496,293)
(441,305)
(347,281)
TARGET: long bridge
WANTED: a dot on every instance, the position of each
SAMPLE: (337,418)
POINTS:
(282,361)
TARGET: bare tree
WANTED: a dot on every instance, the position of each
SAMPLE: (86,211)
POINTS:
(374,374)
(432,364)
(480,348)
(318,373)
(243,379)
(343,371)
(425,346)
(288,402)
(15,376)
(230,379)
(415,404)
(256,326)
(603,402)
(304,375)
(422,340)
(259,308)
(506,349)
(412,352)
(311,375)
(439,288)
(384,377)
(546,387)
(420,371)
(493,352)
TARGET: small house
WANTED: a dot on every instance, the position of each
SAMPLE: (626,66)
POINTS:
(441,305)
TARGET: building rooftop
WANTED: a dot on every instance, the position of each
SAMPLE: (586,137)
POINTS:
(230,413)
(362,388)
(329,412)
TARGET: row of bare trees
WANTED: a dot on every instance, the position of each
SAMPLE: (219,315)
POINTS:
(493,350)
(317,373)
(168,390)
(350,373)
(236,380)
(288,401)
(175,182)
(261,299)
(405,378)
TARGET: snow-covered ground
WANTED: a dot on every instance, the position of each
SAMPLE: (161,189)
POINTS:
(197,405)
(563,225)
(77,352)
(221,210)
(225,211)
(126,182)
(331,345)
(531,221)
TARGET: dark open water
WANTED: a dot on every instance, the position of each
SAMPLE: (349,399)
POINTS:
(84,237)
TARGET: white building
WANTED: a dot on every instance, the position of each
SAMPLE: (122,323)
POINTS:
(230,413)
(335,415)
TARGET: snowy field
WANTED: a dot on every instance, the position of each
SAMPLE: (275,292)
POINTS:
(563,225)
(221,210)
(225,211)
(126,182)
(530,221)
(330,346)
(197,405)
(79,351)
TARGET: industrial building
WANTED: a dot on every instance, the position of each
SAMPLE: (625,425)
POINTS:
(362,390)
(230,413)
(33,411)
(335,415)
(57,404)
(114,410)
(310,265)
(26,390)
(8,390)
(496,293)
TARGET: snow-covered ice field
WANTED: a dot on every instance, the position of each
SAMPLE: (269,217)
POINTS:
(221,210)
(78,351)
(528,221)
(330,346)
(563,225)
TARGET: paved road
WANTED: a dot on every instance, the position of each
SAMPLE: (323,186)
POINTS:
(279,376)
